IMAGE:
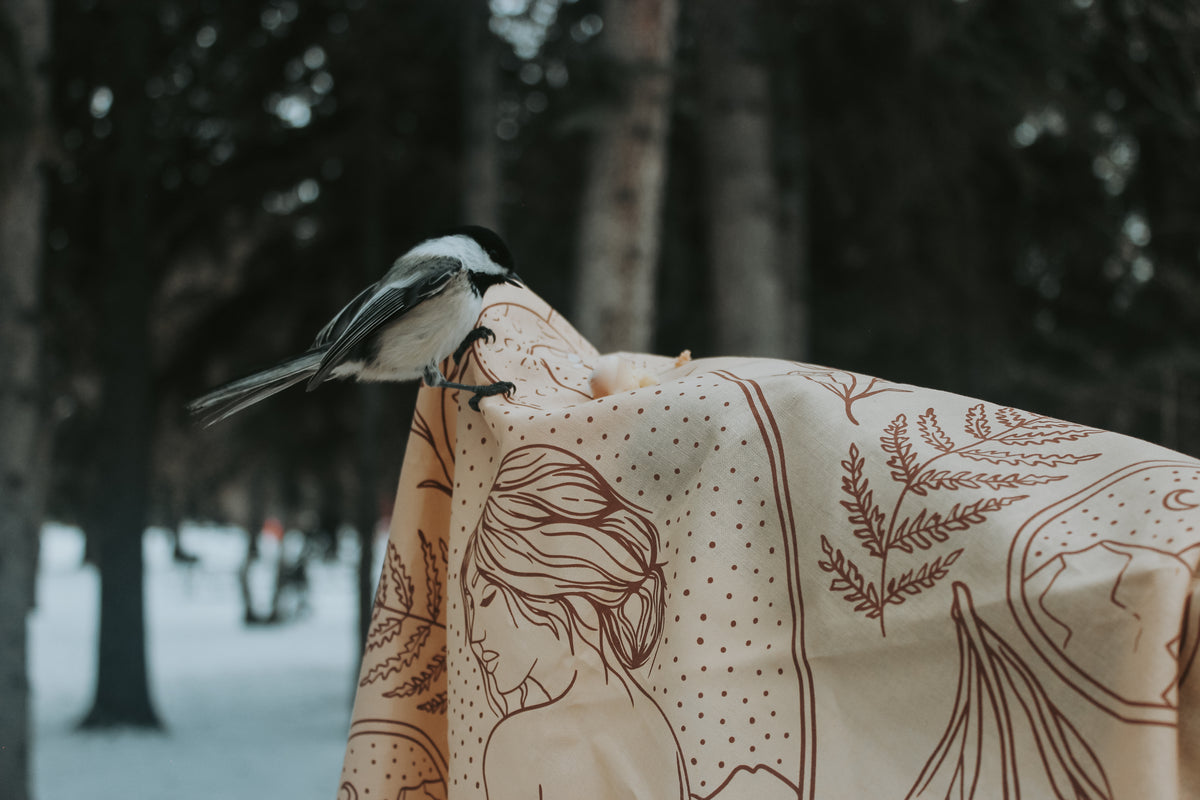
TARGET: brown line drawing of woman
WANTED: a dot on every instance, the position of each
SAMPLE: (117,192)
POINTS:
(564,596)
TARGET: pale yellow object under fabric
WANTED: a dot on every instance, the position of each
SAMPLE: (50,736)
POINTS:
(764,579)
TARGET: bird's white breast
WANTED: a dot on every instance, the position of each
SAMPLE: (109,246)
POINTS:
(426,334)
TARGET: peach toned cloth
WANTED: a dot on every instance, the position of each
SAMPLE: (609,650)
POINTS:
(763,579)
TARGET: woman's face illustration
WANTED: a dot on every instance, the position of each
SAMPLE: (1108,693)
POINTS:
(510,647)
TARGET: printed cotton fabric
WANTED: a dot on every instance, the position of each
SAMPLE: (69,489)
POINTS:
(762,579)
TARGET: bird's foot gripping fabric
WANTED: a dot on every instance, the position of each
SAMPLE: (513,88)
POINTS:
(435,379)
(479,333)
(499,387)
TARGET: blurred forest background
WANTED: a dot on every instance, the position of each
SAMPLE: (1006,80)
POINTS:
(993,197)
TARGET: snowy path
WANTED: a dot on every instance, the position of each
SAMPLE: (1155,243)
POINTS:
(249,712)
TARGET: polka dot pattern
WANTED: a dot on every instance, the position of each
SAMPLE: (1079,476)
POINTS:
(768,681)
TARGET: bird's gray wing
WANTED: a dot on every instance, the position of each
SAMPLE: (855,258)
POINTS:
(387,303)
(338,324)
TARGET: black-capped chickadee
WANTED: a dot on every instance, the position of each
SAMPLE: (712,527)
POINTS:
(399,329)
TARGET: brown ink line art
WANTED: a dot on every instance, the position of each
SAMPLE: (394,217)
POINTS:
(563,596)
(993,676)
(756,402)
(880,534)
(503,309)
(389,622)
(1084,684)
(846,391)
(1188,638)
(406,731)
(748,770)
(423,430)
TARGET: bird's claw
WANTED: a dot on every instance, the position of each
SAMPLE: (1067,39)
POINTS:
(500,387)
(487,334)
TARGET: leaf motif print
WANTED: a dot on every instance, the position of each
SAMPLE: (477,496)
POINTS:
(925,527)
(399,632)
(433,572)
(865,516)
(932,432)
(400,660)
(977,425)
(400,582)
(896,443)
(1005,458)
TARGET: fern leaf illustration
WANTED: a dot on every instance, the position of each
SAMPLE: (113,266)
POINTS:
(910,583)
(932,432)
(977,423)
(1051,422)
(423,682)
(401,583)
(433,581)
(865,516)
(871,604)
(383,630)
(401,660)
(927,528)
(903,460)
(1012,418)
(848,581)
(381,591)
(1029,437)
(1006,458)
(435,705)
(945,479)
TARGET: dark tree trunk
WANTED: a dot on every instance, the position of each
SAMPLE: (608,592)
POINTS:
(482,182)
(752,314)
(126,410)
(791,170)
(620,226)
(24,28)
(366,500)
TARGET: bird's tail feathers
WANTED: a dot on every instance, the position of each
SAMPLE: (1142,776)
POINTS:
(237,395)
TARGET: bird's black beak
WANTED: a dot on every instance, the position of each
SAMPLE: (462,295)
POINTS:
(514,279)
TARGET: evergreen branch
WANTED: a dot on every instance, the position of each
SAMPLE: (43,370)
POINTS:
(865,516)
(932,432)
(926,528)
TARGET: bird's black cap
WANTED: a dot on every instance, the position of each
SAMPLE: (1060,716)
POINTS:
(490,241)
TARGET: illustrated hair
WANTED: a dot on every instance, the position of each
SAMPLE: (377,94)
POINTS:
(553,529)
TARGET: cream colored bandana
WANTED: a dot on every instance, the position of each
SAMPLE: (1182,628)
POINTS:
(749,578)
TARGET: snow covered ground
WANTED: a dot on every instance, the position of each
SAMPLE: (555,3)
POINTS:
(256,712)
